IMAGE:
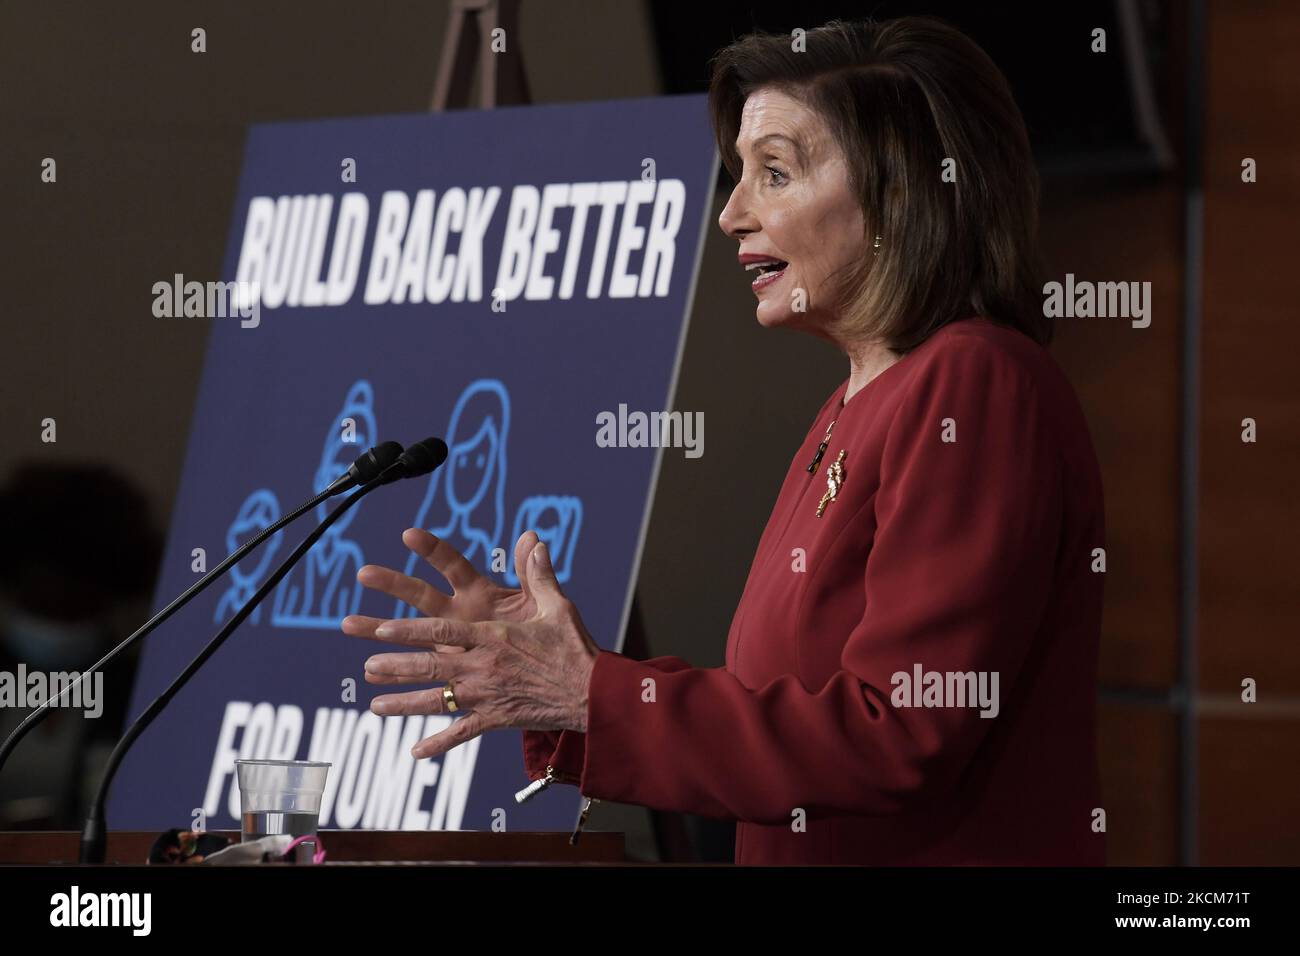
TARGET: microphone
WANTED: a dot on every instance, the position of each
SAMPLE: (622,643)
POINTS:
(420,459)
(370,465)
(366,468)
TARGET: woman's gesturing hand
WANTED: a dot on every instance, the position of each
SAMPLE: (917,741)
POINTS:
(514,657)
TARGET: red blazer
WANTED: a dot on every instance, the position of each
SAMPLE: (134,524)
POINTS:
(946,557)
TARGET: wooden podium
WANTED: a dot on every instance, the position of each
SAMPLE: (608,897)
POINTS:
(131,847)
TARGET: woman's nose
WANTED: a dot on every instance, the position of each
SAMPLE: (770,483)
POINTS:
(736,220)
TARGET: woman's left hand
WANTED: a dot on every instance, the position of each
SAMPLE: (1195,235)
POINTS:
(531,673)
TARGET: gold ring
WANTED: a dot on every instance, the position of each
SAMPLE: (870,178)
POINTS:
(449,699)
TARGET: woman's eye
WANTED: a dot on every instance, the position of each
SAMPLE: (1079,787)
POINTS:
(777,177)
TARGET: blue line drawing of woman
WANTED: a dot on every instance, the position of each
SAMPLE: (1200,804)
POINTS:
(259,511)
(473,482)
(322,589)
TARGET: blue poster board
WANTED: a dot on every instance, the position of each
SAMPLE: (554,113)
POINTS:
(497,278)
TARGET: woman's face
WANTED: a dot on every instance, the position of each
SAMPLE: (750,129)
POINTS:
(793,204)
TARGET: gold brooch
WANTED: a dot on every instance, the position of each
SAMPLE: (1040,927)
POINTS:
(834,478)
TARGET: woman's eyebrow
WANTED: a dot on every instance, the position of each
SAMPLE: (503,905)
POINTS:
(794,144)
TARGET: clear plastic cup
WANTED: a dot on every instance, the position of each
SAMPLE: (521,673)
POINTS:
(282,797)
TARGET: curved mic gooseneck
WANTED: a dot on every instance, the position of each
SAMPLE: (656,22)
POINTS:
(368,467)
(419,459)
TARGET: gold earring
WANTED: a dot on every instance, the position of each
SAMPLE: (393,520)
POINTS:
(875,246)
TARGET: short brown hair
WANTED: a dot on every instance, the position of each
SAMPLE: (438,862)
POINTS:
(901,96)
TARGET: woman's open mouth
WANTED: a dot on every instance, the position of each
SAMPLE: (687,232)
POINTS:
(769,270)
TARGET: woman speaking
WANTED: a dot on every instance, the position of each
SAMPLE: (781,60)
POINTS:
(910,674)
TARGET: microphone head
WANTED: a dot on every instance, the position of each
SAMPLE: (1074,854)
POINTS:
(423,457)
(369,466)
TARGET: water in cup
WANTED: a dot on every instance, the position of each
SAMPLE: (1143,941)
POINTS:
(260,823)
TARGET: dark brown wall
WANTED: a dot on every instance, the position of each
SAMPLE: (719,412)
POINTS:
(1238,772)
(1249,754)
(1128,383)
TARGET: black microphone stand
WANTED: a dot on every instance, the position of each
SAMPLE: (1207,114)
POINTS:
(420,459)
(376,459)
(94,836)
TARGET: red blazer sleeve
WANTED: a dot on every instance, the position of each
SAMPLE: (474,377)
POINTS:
(564,750)
(957,579)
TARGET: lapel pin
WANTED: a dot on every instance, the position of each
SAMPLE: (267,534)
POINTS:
(834,478)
